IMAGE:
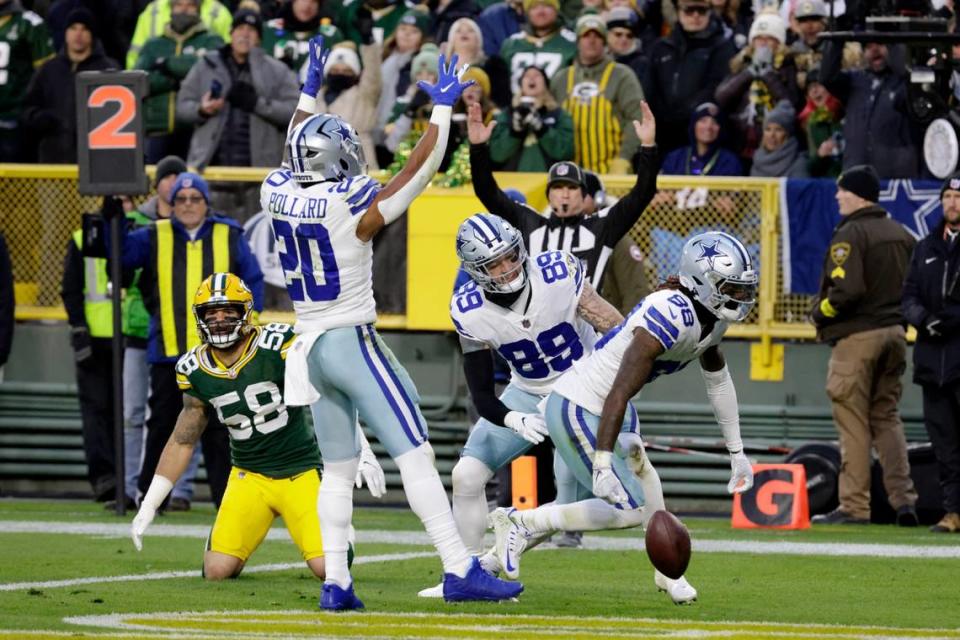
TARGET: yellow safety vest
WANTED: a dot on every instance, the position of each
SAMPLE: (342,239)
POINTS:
(596,130)
(181,266)
(97,306)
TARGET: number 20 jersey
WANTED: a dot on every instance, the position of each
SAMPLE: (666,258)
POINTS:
(327,268)
(670,318)
(548,338)
(266,436)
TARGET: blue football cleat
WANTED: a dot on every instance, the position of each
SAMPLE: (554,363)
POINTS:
(335,598)
(478,585)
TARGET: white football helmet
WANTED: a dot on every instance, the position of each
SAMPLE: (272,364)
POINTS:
(325,147)
(715,266)
(484,241)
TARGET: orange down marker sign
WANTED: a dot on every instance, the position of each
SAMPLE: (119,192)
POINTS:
(110,134)
(777,500)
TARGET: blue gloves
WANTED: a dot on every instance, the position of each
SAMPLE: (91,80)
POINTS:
(448,88)
(316,61)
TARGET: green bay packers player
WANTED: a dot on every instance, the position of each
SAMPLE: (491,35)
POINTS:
(238,372)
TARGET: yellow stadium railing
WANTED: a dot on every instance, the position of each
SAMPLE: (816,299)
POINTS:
(40,208)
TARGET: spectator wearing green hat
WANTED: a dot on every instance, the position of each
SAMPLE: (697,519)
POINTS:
(412,111)
(603,98)
(544,42)
(395,71)
(287,36)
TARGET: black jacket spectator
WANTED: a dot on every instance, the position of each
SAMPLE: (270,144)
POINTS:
(935,265)
(446,13)
(684,71)
(877,129)
(115,20)
(50,110)
(6,304)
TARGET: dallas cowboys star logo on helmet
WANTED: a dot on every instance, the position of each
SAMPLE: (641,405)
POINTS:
(337,126)
(710,252)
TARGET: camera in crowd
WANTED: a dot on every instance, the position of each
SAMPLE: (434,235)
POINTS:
(933,73)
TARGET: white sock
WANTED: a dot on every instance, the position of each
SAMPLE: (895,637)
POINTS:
(335,509)
(587,515)
(470,478)
(652,492)
(428,500)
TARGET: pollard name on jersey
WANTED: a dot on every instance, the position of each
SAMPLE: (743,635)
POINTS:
(542,341)
(328,270)
(266,436)
(669,317)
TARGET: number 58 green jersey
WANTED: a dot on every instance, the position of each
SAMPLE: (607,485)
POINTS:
(266,436)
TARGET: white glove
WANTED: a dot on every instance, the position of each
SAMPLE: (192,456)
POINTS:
(606,485)
(529,426)
(369,470)
(140,523)
(741,477)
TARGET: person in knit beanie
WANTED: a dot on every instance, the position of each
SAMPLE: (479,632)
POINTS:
(779,153)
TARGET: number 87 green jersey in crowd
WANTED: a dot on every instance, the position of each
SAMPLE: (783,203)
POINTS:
(266,436)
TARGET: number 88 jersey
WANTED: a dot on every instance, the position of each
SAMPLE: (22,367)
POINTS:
(266,436)
(542,335)
(327,268)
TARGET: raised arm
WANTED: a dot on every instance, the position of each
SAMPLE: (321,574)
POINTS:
(191,424)
(481,172)
(625,213)
(307,106)
(399,193)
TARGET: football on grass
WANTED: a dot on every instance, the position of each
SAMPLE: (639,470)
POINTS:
(668,544)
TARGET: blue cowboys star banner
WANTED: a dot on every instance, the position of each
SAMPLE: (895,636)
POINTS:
(808,210)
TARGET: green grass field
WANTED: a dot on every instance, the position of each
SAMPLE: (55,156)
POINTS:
(68,569)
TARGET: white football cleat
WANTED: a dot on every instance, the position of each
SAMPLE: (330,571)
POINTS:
(680,591)
(432,592)
(511,540)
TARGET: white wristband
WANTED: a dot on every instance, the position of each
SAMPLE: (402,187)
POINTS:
(441,114)
(307,103)
(160,487)
(602,459)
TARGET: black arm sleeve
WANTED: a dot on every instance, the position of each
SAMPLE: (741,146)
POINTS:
(625,213)
(493,198)
(478,370)
(6,302)
(71,289)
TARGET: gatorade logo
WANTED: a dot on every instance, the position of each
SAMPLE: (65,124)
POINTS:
(778,499)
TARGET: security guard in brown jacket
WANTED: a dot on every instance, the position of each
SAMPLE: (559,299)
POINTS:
(858,313)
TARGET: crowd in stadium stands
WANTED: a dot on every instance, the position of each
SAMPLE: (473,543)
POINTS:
(739,87)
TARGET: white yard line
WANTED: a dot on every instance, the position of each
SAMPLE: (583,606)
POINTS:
(195,573)
(122,530)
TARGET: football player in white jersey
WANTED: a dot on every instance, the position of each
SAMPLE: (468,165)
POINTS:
(683,321)
(325,213)
(541,315)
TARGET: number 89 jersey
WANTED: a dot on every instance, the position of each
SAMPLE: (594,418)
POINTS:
(327,268)
(668,316)
(266,436)
(539,339)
